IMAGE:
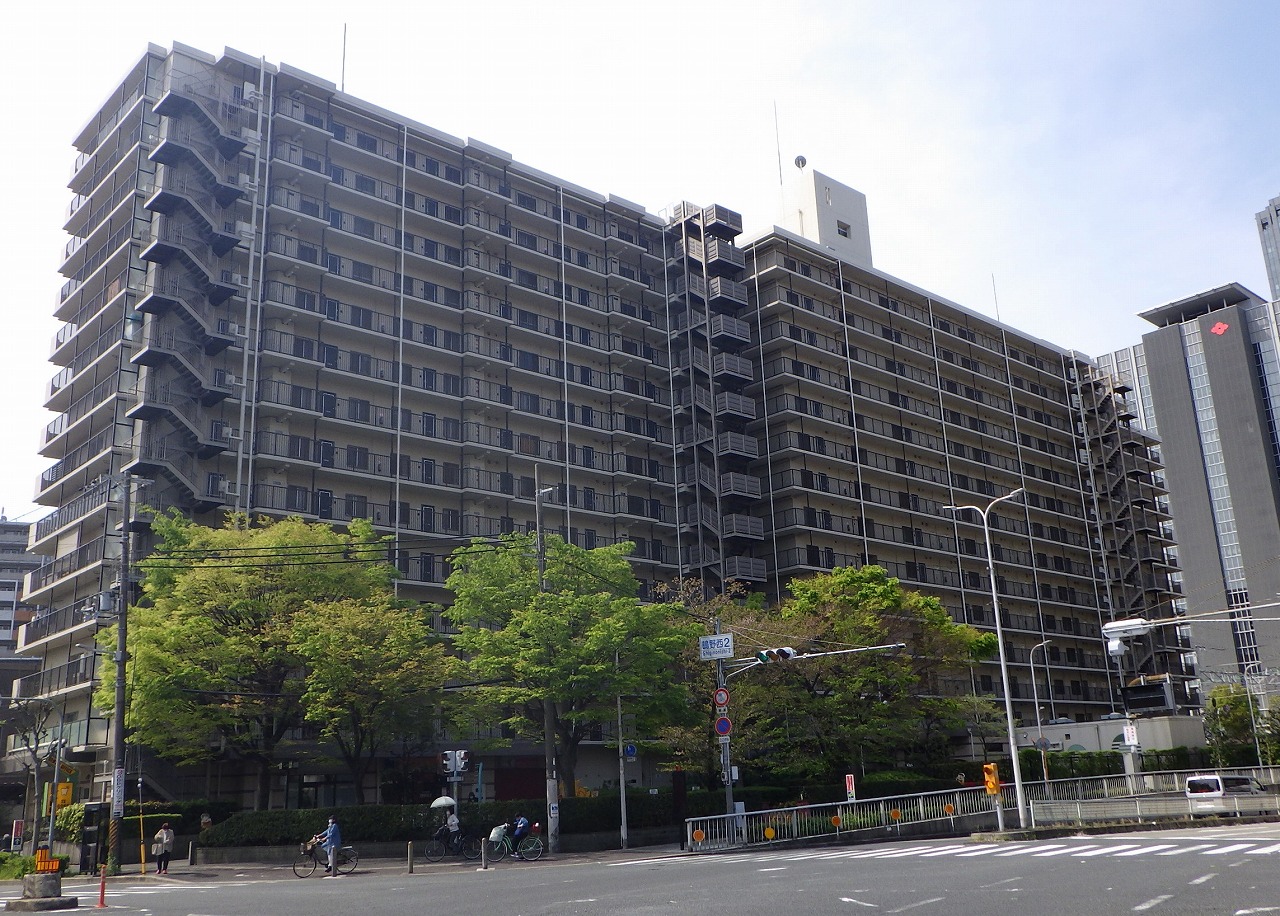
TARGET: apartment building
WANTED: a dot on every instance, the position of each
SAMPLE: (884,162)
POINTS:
(281,299)
(1208,379)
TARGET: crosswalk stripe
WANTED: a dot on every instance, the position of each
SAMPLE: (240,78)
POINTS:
(945,851)
(1066,850)
(1028,850)
(916,852)
(1143,850)
(1106,850)
(1265,849)
(977,852)
(1185,849)
(1234,847)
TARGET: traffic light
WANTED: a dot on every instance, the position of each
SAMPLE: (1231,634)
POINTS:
(449,760)
(991,776)
(461,759)
(779,654)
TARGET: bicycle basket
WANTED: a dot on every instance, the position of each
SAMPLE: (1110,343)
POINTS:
(536,829)
(497,833)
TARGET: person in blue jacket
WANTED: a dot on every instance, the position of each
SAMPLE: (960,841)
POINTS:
(330,840)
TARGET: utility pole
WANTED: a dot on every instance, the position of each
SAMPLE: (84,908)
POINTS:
(116,830)
(724,741)
(548,707)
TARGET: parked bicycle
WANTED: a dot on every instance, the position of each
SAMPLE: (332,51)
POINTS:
(529,848)
(441,845)
(312,855)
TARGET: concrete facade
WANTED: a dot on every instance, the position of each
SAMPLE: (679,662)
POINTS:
(284,300)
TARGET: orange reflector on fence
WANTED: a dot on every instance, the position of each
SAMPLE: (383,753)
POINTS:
(699,836)
(895,813)
(948,809)
(835,820)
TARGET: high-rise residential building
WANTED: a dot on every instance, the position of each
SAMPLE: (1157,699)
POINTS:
(15,563)
(1209,382)
(1268,230)
(285,300)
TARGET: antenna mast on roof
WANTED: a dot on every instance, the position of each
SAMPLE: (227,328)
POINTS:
(343,85)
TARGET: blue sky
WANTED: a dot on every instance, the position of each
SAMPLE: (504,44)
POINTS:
(1095,158)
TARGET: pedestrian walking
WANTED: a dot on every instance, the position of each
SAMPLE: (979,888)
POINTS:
(162,848)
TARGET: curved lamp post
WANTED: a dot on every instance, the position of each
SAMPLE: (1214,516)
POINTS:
(1019,792)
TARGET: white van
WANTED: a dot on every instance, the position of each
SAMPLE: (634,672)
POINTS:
(1213,793)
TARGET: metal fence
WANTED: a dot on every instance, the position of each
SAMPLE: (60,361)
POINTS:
(1132,795)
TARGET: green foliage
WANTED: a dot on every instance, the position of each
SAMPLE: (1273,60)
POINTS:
(373,668)
(808,721)
(14,866)
(572,647)
(183,817)
(212,642)
(1229,715)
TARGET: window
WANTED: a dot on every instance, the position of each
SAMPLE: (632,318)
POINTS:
(357,506)
(358,410)
(842,230)
(357,458)
(297,499)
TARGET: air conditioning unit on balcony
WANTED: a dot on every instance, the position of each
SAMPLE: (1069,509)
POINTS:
(250,92)
(229,487)
(244,230)
(247,182)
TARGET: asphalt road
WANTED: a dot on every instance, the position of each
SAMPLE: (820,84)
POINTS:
(1227,870)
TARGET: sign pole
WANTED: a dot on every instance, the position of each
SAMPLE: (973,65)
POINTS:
(726,770)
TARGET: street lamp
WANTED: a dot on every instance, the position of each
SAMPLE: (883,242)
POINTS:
(1004,665)
(1035,698)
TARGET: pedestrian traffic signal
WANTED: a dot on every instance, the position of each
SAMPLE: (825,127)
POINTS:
(779,654)
(991,776)
(461,759)
(449,760)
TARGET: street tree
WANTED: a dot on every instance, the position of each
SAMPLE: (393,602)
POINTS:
(1229,726)
(213,667)
(818,717)
(372,665)
(569,645)
(30,719)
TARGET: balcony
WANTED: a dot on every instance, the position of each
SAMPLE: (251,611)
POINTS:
(725,329)
(721,221)
(736,405)
(746,568)
(722,257)
(55,680)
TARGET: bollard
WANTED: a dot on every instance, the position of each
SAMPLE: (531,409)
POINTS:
(484,855)
(102,890)
(410,854)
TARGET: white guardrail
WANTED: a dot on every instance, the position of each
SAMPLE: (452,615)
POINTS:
(1130,796)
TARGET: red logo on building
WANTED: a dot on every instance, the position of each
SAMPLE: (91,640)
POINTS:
(1220,328)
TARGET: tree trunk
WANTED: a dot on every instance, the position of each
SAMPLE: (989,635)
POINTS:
(262,796)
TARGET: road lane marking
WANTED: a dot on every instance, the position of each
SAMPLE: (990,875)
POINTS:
(1106,850)
(1234,847)
(1142,851)
(774,868)
(1203,878)
(1265,850)
(1029,850)
(912,906)
(1184,849)
(858,902)
(946,851)
(1154,901)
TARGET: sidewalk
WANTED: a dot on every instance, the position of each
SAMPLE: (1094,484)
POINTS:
(262,871)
